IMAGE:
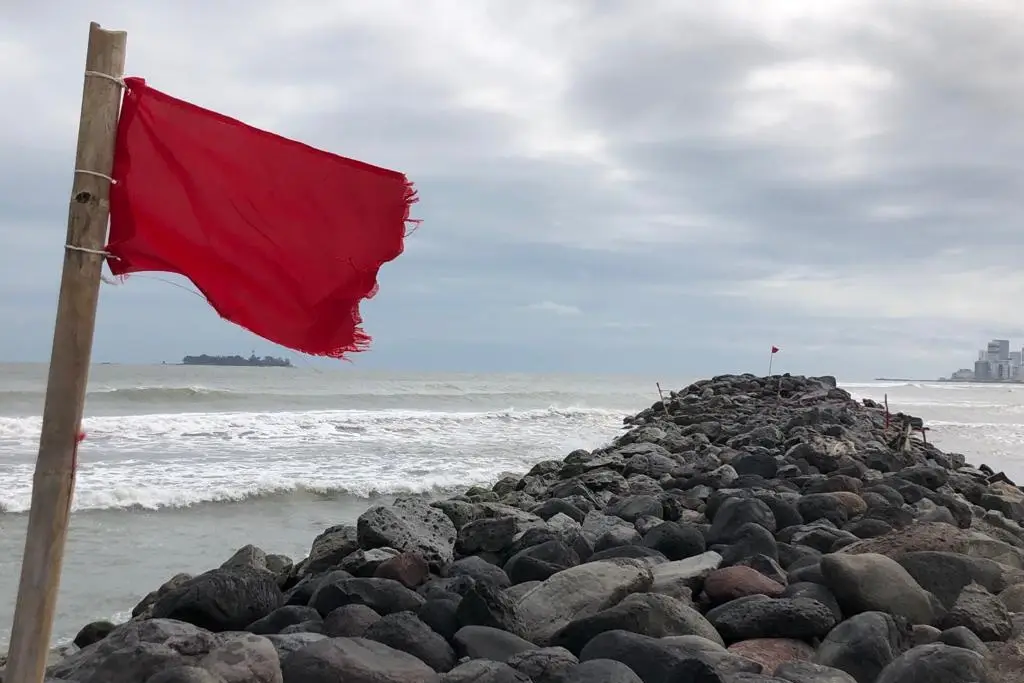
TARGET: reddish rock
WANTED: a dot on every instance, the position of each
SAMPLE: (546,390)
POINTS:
(739,581)
(772,652)
(409,569)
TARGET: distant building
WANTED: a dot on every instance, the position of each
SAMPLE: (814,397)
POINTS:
(1002,370)
(996,363)
(982,370)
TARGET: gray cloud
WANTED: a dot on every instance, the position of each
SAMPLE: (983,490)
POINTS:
(697,181)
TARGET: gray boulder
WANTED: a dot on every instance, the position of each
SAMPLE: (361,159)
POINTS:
(546,665)
(177,636)
(649,614)
(863,645)
(409,525)
(757,616)
(602,671)
(873,582)
(936,663)
(982,613)
(221,599)
(354,660)
(246,659)
(484,671)
(579,591)
(329,549)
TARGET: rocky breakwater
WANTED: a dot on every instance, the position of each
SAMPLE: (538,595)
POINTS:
(744,530)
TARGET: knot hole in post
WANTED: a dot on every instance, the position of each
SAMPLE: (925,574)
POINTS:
(83,197)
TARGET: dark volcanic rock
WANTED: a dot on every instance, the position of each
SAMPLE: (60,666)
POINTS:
(553,506)
(675,541)
(585,589)
(354,660)
(961,636)
(761,464)
(136,662)
(863,645)
(479,570)
(632,508)
(734,513)
(330,548)
(281,618)
(539,562)
(403,631)
(383,596)
(808,672)
(946,574)
(602,671)
(870,582)
(364,563)
(349,621)
(936,663)
(181,638)
(766,565)
(981,612)
(547,665)
(645,613)
(761,617)
(178,674)
(409,525)
(483,642)
(814,591)
(773,652)
(751,539)
(660,659)
(484,671)
(442,615)
(93,633)
(492,535)
(486,605)
(221,599)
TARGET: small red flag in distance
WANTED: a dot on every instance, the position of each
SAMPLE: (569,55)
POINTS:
(775,349)
(282,239)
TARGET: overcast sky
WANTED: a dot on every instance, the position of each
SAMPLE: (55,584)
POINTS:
(606,185)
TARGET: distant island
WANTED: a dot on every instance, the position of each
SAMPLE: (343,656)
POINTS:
(252,361)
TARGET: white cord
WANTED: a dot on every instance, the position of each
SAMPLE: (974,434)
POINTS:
(86,250)
(97,174)
(100,74)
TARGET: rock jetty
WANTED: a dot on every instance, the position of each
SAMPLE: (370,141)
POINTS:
(744,530)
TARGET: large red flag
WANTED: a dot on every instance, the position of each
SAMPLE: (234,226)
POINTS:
(282,239)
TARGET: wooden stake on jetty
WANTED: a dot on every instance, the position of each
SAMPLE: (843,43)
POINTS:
(53,483)
(661,394)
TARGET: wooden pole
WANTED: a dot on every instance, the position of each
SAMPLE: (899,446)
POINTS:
(661,395)
(54,480)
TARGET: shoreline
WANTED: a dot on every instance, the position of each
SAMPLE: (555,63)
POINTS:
(743,525)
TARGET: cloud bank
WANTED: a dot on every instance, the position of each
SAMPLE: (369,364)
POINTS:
(606,186)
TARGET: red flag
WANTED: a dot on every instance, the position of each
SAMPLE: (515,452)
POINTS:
(775,349)
(282,239)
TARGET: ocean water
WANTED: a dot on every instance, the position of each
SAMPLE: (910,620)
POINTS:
(183,465)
